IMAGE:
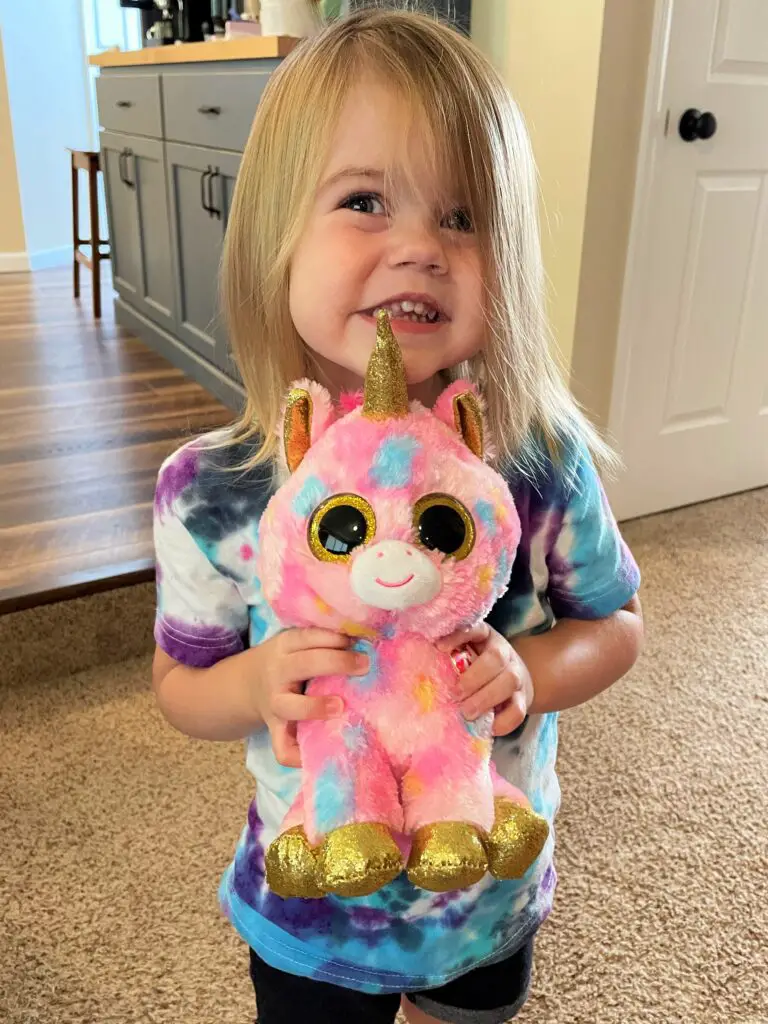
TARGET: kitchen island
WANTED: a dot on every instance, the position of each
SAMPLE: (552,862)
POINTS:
(175,120)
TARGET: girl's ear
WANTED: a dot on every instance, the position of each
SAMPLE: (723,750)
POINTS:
(460,408)
(307,414)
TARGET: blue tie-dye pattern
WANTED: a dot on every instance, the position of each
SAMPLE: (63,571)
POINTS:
(485,513)
(309,497)
(258,627)
(393,462)
(334,795)
(371,676)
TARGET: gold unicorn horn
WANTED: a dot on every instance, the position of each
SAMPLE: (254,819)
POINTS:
(385,394)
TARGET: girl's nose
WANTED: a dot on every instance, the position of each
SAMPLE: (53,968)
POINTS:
(415,245)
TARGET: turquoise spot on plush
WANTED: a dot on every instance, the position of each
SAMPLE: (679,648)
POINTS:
(502,571)
(486,515)
(309,497)
(371,677)
(393,462)
(334,799)
(354,738)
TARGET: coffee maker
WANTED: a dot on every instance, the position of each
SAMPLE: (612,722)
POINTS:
(170,21)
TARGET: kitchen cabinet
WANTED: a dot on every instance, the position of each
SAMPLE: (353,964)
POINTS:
(197,189)
(134,176)
(173,130)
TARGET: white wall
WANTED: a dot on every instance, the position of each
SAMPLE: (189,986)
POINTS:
(47,80)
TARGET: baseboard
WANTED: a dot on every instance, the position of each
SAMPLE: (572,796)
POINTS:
(13,262)
(44,259)
(177,353)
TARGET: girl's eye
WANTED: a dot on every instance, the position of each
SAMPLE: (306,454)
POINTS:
(364,202)
(457,220)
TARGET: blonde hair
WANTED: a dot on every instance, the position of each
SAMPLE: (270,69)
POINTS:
(475,128)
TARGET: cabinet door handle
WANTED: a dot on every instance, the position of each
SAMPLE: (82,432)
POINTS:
(204,201)
(120,165)
(211,208)
(124,103)
(209,110)
(130,183)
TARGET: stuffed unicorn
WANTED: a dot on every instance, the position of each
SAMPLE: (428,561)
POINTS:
(393,530)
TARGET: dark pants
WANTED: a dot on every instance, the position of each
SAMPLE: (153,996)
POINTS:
(487,995)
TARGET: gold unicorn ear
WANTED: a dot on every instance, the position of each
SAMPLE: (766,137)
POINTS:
(296,427)
(385,394)
(468,419)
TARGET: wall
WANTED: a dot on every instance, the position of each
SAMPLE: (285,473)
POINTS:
(47,83)
(618,117)
(12,240)
(549,52)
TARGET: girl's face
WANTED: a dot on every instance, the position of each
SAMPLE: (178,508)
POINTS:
(377,237)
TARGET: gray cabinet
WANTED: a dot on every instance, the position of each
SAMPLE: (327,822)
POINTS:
(171,150)
(198,183)
(134,173)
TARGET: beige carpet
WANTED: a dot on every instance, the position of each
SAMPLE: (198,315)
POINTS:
(114,830)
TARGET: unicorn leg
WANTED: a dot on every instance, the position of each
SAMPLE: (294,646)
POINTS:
(352,806)
(291,863)
(448,803)
(518,834)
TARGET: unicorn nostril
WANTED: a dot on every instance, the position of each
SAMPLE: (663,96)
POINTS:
(409,553)
(380,554)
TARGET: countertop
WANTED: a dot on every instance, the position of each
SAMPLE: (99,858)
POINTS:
(251,48)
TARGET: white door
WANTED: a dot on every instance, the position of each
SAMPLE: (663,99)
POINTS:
(690,402)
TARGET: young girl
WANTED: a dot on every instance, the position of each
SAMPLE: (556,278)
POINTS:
(388,167)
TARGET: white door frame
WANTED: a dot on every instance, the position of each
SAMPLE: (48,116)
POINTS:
(652,135)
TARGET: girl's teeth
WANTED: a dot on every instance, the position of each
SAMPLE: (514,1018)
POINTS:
(416,312)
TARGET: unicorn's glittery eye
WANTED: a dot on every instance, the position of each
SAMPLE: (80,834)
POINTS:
(338,526)
(443,524)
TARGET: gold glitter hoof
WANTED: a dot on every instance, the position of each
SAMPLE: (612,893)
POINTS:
(516,840)
(356,860)
(291,866)
(447,855)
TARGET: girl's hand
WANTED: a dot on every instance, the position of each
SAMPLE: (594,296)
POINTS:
(498,680)
(285,663)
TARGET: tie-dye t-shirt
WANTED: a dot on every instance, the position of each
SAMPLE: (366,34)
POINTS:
(571,563)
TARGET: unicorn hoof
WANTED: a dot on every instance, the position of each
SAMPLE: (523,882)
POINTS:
(291,866)
(356,860)
(447,855)
(516,839)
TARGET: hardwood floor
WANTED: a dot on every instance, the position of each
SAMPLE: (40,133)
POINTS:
(87,415)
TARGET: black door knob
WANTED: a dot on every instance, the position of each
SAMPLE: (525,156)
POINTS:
(697,125)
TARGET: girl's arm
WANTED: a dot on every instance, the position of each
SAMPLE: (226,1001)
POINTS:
(578,659)
(216,703)
(260,686)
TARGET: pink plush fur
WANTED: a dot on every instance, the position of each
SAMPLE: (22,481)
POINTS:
(401,755)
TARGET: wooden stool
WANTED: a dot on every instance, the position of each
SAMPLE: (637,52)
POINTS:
(84,160)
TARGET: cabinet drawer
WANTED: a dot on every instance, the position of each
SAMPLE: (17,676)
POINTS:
(213,110)
(130,103)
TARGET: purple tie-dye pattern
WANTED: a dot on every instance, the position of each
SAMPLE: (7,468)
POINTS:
(196,645)
(176,476)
